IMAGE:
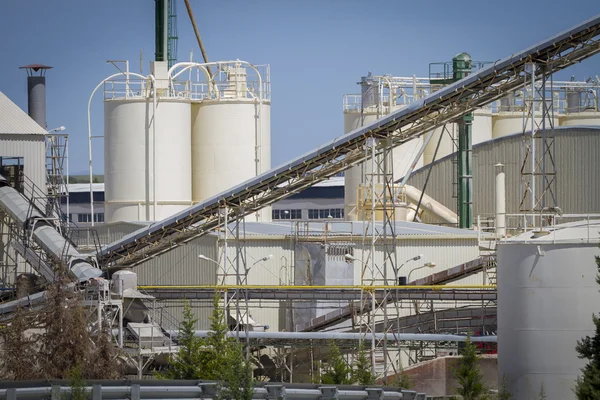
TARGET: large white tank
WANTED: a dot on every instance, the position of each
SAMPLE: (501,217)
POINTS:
(511,122)
(226,132)
(446,145)
(482,126)
(402,157)
(547,294)
(128,159)
(586,118)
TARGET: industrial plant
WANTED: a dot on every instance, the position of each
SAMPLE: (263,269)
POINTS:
(463,205)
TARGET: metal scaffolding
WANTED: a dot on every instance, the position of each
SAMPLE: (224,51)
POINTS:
(538,170)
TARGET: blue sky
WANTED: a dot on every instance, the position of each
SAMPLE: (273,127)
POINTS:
(318,50)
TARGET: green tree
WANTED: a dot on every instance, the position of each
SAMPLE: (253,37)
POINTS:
(362,373)
(213,364)
(76,384)
(337,371)
(186,363)
(402,380)
(503,393)
(237,382)
(470,379)
(542,392)
(588,384)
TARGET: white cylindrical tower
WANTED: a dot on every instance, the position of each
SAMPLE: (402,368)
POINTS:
(231,138)
(547,294)
(131,177)
(482,125)
(446,145)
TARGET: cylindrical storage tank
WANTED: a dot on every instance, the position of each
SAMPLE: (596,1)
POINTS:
(482,125)
(402,157)
(446,145)
(129,153)
(226,133)
(509,123)
(547,294)
(585,118)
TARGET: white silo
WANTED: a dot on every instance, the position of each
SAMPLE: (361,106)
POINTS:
(510,116)
(547,294)
(231,136)
(366,109)
(446,144)
(581,108)
(137,188)
(482,125)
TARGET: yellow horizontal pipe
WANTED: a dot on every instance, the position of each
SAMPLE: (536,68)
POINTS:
(298,287)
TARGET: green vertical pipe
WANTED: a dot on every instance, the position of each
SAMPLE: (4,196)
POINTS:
(461,67)
(159,30)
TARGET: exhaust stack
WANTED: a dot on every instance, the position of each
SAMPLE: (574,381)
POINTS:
(36,92)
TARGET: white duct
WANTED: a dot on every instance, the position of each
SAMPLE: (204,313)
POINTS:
(500,201)
(429,204)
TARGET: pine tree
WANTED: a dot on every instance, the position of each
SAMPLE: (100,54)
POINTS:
(542,393)
(237,382)
(503,393)
(212,365)
(588,384)
(362,373)
(401,380)
(337,372)
(186,363)
(470,379)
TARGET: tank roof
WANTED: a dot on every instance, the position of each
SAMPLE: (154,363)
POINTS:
(582,231)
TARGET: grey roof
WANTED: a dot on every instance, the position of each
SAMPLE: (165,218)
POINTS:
(14,121)
(357,228)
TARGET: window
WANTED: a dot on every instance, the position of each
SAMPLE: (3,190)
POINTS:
(286,214)
(326,213)
(99,217)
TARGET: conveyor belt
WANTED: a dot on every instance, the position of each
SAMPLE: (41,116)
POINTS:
(445,105)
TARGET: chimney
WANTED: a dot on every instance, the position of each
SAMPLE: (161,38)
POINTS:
(36,92)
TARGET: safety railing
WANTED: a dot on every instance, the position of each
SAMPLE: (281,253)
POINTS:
(546,226)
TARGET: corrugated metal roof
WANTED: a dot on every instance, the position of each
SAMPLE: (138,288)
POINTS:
(14,121)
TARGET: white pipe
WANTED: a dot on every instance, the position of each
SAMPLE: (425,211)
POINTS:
(430,204)
(500,201)
(153,145)
(424,337)
(90,133)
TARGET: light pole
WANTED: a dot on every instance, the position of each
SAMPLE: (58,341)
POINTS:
(426,265)
(397,271)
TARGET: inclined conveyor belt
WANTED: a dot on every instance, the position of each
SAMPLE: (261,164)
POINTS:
(445,105)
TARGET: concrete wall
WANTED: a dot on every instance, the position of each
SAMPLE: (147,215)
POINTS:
(436,377)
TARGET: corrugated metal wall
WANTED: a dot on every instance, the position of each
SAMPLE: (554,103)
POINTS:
(33,150)
(578,186)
